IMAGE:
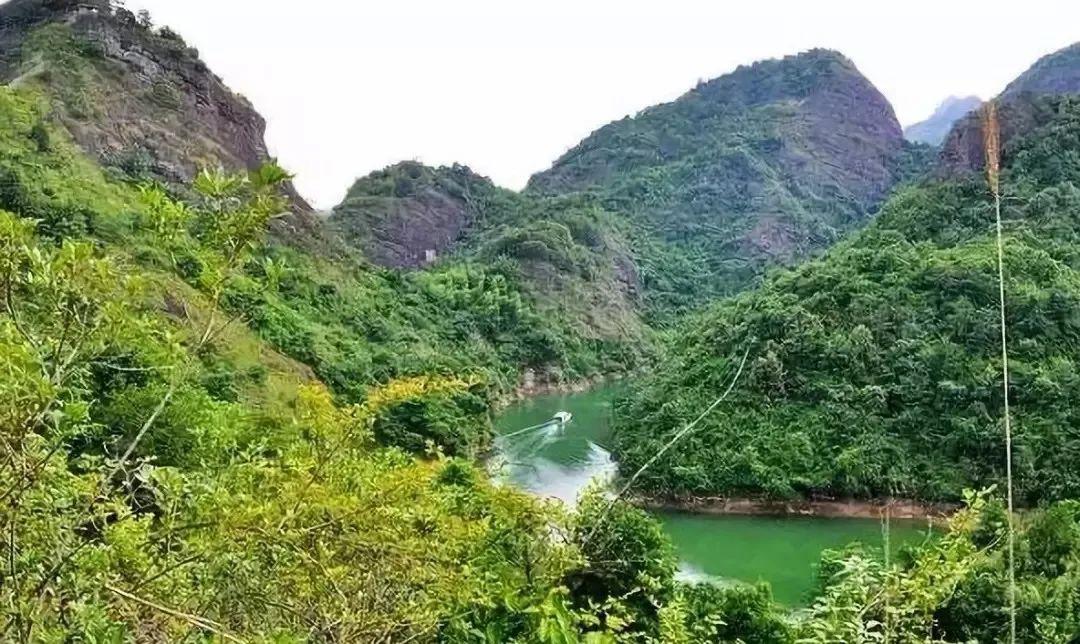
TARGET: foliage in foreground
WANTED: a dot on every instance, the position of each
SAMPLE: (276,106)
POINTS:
(138,506)
(153,493)
(185,516)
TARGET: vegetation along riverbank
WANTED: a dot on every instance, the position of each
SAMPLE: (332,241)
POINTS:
(226,417)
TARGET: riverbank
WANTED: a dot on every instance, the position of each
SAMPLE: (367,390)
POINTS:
(708,546)
(821,508)
(533,384)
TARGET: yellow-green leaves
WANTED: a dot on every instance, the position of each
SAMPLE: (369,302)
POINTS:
(167,218)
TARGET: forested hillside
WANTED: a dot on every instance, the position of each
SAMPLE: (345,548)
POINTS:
(225,419)
(759,167)
(875,370)
(570,257)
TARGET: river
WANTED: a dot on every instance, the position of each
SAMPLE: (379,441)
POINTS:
(554,462)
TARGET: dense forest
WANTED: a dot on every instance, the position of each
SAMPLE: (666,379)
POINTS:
(874,370)
(766,165)
(225,419)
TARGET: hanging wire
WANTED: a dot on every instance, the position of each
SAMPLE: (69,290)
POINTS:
(992,142)
(668,445)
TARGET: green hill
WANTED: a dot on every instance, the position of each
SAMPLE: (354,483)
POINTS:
(570,257)
(224,419)
(875,370)
(763,166)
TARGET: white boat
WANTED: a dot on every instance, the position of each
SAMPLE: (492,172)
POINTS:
(562,417)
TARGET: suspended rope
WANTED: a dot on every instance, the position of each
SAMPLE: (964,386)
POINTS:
(674,439)
(992,141)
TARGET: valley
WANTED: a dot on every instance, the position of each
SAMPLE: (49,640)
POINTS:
(226,417)
(560,462)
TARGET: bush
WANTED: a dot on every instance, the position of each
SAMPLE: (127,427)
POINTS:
(456,421)
(744,614)
(630,564)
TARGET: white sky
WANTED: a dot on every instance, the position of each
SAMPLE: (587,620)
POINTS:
(506,86)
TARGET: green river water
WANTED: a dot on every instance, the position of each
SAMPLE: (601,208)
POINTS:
(555,462)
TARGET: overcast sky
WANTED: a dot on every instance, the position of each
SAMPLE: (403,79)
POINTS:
(506,86)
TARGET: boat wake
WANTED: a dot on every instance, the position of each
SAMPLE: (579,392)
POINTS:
(521,459)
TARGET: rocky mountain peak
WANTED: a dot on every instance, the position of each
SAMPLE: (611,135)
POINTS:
(136,97)
(761,166)
(821,88)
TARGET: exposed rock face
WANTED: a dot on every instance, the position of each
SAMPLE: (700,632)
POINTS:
(137,98)
(964,150)
(934,129)
(1019,110)
(408,215)
(763,165)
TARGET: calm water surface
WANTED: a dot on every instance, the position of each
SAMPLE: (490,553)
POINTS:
(550,460)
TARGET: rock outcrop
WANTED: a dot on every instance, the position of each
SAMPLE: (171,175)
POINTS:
(138,98)
(1021,108)
(409,214)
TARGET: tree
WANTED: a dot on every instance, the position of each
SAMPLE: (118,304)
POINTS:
(628,574)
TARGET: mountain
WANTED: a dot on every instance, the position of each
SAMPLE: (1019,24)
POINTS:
(934,129)
(409,215)
(569,255)
(1021,108)
(762,166)
(654,215)
(138,99)
(1055,73)
(875,370)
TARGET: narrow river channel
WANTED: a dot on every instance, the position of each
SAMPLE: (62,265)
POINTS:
(554,462)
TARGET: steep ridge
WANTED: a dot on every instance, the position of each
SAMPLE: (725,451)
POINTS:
(936,127)
(1055,73)
(138,99)
(762,166)
(1021,109)
(874,371)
